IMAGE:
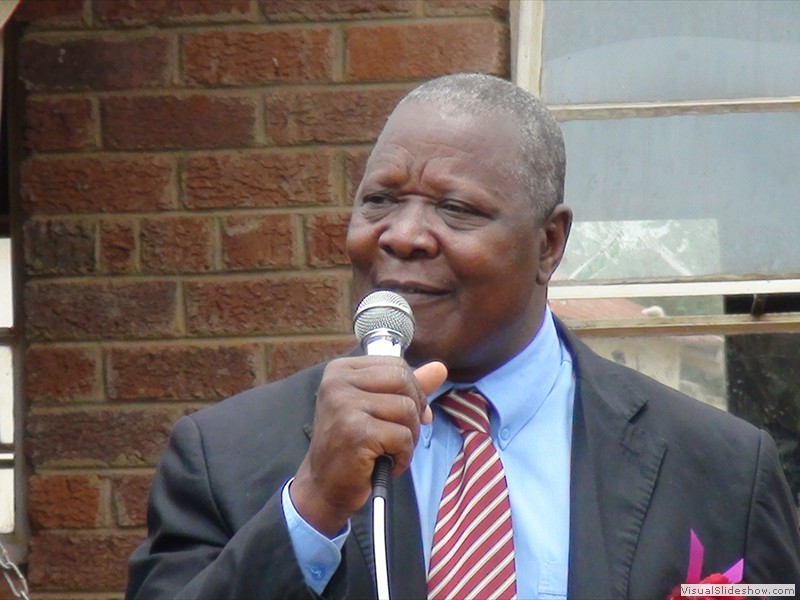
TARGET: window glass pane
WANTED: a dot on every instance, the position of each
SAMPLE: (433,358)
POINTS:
(694,365)
(687,195)
(6,501)
(598,309)
(6,312)
(753,376)
(600,51)
(6,396)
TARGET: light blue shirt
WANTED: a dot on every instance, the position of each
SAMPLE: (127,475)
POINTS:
(531,426)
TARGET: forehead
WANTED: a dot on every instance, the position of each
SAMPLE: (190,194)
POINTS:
(416,134)
(447,125)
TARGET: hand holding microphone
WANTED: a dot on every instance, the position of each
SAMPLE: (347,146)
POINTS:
(367,407)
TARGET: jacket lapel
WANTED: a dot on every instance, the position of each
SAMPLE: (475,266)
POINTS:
(615,465)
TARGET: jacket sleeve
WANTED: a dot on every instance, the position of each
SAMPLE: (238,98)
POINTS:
(773,540)
(191,552)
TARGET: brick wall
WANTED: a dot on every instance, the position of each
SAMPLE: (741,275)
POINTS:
(184,195)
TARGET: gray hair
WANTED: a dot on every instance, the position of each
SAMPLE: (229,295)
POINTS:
(542,163)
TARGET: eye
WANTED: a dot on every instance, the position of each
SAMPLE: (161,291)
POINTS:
(378,200)
(461,214)
(459,208)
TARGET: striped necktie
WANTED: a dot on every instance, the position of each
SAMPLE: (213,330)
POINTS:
(473,548)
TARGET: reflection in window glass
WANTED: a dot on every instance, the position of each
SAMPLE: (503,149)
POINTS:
(635,51)
(730,183)
(6,500)
(763,384)
(755,377)
(580,309)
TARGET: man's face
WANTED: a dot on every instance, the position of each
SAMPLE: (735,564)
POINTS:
(440,219)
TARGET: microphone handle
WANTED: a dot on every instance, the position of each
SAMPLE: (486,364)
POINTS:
(382,476)
(383,344)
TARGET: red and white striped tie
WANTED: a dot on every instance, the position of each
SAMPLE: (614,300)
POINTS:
(473,548)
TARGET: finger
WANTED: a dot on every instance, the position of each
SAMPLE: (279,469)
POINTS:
(430,377)
(401,410)
(384,374)
(396,441)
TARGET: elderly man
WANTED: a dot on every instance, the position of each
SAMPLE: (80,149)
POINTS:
(525,465)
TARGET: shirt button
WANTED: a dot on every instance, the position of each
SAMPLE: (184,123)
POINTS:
(505,434)
(317,572)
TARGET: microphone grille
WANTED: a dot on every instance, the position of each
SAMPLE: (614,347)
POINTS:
(383,309)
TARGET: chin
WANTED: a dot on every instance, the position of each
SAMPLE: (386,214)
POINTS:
(423,351)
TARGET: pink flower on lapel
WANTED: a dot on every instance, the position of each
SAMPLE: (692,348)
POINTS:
(693,574)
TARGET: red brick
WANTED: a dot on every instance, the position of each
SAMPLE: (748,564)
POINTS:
(182,373)
(266,306)
(59,124)
(402,52)
(89,184)
(258,57)
(467,8)
(286,358)
(257,180)
(98,438)
(65,501)
(331,115)
(100,310)
(354,163)
(160,12)
(177,245)
(117,246)
(326,234)
(51,13)
(6,594)
(165,122)
(340,10)
(80,562)
(129,495)
(96,63)
(56,246)
(61,374)
(256,242)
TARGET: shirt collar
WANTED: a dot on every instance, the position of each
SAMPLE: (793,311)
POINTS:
(518,388)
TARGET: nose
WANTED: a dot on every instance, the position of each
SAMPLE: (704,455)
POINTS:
(408,234)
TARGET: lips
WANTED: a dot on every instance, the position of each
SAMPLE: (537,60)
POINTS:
(412,288)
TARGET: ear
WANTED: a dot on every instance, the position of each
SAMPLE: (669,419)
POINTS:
(553,239)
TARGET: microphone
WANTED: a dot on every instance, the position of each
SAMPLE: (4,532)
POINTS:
(384,325)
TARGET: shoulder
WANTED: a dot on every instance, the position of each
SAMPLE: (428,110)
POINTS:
(651,405)
(286,403)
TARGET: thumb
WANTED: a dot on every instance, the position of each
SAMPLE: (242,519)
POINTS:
(430,377)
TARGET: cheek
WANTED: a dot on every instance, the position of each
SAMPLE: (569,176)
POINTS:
(505,261)
(360,244)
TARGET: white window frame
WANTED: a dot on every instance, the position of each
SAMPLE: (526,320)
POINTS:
(16,541)
(527,28)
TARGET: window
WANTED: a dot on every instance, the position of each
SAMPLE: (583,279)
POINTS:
(11,476)
(683,168)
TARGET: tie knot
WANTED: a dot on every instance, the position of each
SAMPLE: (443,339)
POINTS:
(468,409)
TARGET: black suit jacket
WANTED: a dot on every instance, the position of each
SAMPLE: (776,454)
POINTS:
(648,465)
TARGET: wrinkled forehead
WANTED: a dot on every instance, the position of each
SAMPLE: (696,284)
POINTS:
(450,121)
(487,138)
